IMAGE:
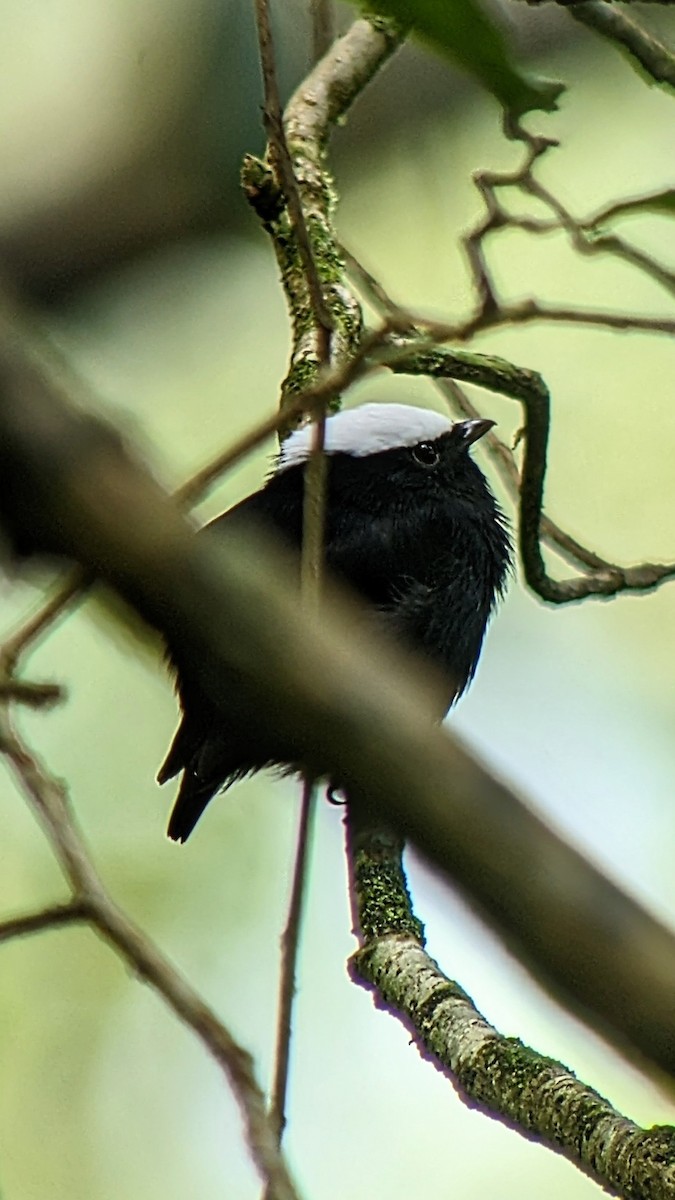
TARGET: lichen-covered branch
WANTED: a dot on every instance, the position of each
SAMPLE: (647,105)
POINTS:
(323,97)
(506,1079)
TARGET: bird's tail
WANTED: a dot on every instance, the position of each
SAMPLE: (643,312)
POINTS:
(193,797)
(196,787)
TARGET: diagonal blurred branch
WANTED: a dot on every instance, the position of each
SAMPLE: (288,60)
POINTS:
(314,398)
(652,55)
(68,486)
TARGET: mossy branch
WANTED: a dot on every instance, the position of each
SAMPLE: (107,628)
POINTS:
(538,1096)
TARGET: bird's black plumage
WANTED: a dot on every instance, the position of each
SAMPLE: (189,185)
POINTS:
(411,526)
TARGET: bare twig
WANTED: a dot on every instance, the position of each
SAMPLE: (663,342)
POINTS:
(545,1100)
(49,800)
(56,916)
(586,239)
(311,577)
(43,619)
(290,943)
(583,234)
(526,311)
(311,566)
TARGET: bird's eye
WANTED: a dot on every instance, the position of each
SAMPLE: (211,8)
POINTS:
(426,454)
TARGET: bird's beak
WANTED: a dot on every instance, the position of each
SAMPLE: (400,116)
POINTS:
(469,432)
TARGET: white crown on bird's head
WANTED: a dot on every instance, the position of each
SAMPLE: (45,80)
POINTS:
(369,429)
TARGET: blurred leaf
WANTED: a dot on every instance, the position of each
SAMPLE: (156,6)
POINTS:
(659,202)
(462,31)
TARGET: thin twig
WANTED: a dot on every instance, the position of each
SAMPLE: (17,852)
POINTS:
(311,575)
(48,612)
(73,912)
(50,803)
(586,241)
(290,943)
(524,312)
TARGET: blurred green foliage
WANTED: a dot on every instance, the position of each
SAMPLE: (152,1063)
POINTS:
(462,31)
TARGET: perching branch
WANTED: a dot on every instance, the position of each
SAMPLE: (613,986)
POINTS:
(502,1077)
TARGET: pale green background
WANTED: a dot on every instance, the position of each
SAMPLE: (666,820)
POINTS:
(104,1096)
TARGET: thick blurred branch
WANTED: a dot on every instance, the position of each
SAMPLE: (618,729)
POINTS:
(345,705)
(642,46)
(652,55)
(501,1076)
(584,3)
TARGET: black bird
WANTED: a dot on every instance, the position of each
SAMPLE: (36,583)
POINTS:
(411,526)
